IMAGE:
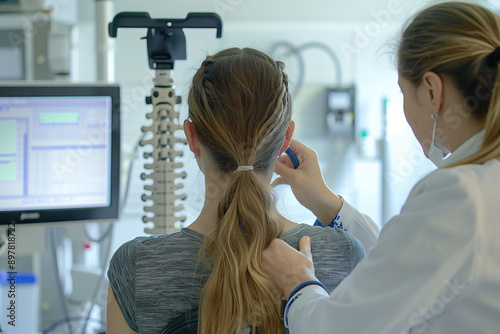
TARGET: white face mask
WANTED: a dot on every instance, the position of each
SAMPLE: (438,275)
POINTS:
(437,154)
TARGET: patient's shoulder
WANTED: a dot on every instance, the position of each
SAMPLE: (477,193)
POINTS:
(320,236)
(327,243)
(146,250)
(335,252)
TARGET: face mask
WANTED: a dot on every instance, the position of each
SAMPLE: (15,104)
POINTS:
(436,154)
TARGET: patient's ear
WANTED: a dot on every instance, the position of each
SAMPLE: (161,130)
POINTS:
(192,138)
(288,137)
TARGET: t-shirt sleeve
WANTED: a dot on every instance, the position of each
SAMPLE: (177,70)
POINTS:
(121,275)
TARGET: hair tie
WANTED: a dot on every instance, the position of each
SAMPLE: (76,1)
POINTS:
(243,168)
(494,58)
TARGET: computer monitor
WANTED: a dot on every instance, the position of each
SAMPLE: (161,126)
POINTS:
(59,153)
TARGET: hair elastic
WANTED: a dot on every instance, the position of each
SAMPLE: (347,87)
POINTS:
(494,58)
(243,168)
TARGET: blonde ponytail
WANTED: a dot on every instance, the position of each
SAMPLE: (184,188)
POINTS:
(491,143)
(243,294)
(240,108)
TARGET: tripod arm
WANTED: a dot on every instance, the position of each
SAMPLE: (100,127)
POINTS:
(143,20)
(165,38)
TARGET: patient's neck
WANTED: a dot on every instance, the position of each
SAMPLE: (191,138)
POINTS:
(215,184)
(207,220)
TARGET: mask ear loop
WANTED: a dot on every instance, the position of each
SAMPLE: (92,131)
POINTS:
(435,118)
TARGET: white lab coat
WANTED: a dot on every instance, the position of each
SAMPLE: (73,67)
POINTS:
(434,269)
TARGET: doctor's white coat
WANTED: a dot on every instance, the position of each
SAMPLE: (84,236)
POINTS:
(434,269)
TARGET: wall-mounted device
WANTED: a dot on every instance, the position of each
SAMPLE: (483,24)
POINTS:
(340,113)
(59,153)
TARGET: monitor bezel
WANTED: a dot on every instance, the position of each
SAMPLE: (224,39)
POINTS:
(108,213)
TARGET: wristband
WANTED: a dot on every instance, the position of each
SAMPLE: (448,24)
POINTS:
(302,285)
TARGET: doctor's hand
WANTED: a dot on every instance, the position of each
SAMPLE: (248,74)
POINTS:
(287,267)
(307,183)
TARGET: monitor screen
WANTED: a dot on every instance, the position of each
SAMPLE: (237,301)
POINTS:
(59,153)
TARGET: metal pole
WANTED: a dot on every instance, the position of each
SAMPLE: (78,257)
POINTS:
(105,66)
(104,13)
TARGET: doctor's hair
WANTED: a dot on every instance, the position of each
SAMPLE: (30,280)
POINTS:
(461,41)
(240,107)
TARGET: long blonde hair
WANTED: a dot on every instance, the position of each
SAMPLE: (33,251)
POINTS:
(241,108)
(459,40)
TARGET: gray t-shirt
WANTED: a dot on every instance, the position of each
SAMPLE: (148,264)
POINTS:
(155,279)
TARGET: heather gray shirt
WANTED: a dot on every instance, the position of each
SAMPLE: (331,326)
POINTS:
(156,278)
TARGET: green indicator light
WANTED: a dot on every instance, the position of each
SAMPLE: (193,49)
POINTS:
(363,134)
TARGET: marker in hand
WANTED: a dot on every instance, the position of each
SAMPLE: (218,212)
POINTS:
(293,157)
(284,167)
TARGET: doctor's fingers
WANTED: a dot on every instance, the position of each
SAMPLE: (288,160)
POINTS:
(280,257)
(303,152)
(305,247)
(286,266)
(275,256)
(284,168)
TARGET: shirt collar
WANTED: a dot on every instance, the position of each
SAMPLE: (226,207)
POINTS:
(471,146)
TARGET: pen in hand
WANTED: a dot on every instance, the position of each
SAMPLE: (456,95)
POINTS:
(293,157)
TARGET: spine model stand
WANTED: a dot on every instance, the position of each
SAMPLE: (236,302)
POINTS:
(165,43)
(163,190)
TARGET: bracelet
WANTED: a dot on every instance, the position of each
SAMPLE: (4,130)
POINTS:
(302,285)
